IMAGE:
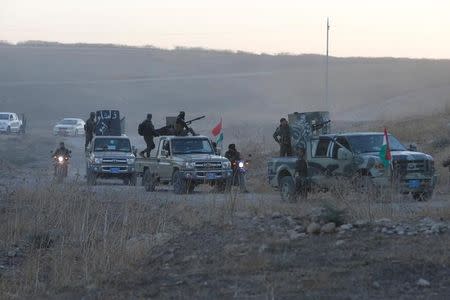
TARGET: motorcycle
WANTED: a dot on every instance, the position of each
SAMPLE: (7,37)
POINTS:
(61,164)
(240,168)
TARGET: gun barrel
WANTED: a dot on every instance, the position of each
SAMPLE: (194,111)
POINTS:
(195,119)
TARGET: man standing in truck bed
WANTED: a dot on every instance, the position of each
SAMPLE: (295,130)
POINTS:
(282,136)
(89,128)
(147,130)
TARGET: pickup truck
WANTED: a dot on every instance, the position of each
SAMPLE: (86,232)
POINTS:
(11,123)
(184,162)
(111,157)
(356,156)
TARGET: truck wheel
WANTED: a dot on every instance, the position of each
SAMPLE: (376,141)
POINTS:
(287,189)
(91,178)
(179,183)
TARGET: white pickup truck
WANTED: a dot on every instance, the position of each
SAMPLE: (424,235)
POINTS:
(11,123)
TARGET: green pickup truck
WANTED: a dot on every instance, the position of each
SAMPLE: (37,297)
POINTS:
(353,156)
(184,162)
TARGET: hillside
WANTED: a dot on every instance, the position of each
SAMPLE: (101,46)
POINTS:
(49,81)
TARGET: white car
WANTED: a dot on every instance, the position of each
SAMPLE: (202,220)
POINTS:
(69,127)
(10,123)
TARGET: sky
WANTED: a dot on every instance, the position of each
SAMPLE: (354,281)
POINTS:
(400,28)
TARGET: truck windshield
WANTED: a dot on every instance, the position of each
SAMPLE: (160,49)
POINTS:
(191,145)
(4,117)
(68,122)
(372,143)
(112,144)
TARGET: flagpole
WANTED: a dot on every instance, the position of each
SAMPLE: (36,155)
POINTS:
(327,104)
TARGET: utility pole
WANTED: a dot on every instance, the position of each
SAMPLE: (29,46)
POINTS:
(327,104)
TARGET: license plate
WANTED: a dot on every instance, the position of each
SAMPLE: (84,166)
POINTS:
(414,184)
(210,176)
(115,170)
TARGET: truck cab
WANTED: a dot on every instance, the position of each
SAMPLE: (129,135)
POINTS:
(110,157)
(184,162)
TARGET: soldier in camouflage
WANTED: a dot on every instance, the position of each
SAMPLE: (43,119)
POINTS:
(282,136)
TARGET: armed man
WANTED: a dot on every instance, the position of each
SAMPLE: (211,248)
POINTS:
(147,130)
(282,136)
(61,151)
(301,174)
(235,158)
(181,126)
(89,129)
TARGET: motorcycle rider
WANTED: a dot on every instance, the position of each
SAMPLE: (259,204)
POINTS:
(282,136)
(234,157)
(301,174)
(61,151)
(147,130)
(89,129)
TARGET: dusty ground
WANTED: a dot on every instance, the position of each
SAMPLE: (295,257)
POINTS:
(115,242)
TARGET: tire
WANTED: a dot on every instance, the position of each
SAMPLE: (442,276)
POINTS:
(59,176)
(179,183)
(8,130)
(76,133)
(148,181)
(287,189)
(91,178)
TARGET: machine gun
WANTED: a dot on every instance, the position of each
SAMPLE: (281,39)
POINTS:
(193,120)
(320,125)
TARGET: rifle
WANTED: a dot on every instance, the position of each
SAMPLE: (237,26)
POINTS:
(320,125)
(193,120)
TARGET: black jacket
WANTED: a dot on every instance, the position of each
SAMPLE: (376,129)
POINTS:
(233,156)
(301,167)
(62,151)
(89,127)
(149,129)
(283,135)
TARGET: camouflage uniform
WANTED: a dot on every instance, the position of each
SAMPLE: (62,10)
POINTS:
(282,136)
(89,128)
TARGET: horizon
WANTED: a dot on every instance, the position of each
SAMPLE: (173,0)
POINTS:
(412,29)
(48,43)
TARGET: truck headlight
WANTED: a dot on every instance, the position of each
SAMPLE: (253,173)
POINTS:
(226,164)
(97,160)
(189,165)
(130,160)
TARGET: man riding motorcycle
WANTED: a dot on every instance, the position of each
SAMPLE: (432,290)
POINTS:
(61,156)
(238,167)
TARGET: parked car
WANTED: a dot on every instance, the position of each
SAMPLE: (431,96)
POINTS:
(69,127)
(11,123)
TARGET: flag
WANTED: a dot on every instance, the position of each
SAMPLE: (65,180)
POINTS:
(385,151)
(219,139)
(217,129)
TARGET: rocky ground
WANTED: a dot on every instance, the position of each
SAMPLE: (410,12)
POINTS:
(116,242)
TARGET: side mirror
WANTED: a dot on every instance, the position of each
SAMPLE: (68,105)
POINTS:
(344,154)
(412,147)
(165,153)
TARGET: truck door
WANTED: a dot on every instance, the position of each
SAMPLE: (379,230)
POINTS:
(345,166)
(321,166)
(164,167)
